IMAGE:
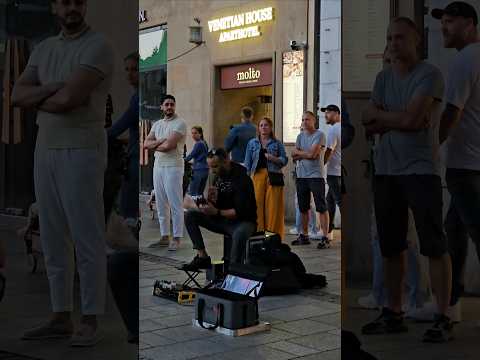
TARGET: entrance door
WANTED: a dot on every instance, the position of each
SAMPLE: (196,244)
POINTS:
(239,86)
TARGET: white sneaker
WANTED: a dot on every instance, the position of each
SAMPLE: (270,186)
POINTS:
(368,302)
(455,312)
(423,314)
(293,231)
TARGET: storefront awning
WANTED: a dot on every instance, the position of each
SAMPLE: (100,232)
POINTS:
(154,52)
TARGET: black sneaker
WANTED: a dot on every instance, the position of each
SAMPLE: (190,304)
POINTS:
(301,240)
(198,263)
(441,331)
(324,243)
(388,322)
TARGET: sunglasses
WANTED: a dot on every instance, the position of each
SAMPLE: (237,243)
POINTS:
(217,152)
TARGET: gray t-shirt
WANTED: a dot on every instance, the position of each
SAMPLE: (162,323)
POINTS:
(334,142)
(463,91)
(55,60)
(311,168)
(408,152)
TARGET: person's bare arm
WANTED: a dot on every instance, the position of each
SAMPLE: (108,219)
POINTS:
(328,152)
(312,154)
(414,118)
(75,93)
(450,118)
(151,142)
(28,92)
(170,143)
(211,210)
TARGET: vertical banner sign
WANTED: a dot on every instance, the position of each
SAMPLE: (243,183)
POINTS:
(293,94)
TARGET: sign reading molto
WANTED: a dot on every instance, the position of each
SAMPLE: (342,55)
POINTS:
(240,26)
(246,75)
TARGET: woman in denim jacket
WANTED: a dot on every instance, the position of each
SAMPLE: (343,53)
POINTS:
(264,155)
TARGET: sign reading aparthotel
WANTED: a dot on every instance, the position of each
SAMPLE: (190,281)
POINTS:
(240,26)
(246,75)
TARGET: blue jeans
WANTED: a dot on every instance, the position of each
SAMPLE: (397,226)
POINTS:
(198,183)
(312,219)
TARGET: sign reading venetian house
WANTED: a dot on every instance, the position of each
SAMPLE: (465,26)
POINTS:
(240,26)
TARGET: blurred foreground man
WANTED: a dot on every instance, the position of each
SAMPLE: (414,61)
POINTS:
(460,129)
(67,80)
(404,110)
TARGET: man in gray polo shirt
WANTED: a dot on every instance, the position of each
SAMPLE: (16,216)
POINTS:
(67,80)
(460,129)
(404,109)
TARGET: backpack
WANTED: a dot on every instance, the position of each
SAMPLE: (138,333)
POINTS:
(348,130)
(287,273)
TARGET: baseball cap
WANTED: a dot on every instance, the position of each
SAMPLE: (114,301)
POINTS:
(330,107)
(457,8)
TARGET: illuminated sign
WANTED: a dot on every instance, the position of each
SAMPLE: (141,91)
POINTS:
(246,75)
(142,16)
(252,75)
(240,26)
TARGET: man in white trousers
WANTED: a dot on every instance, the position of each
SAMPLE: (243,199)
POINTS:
(167,138)
(67,80)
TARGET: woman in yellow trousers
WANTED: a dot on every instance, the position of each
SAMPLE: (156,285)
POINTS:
(264,159)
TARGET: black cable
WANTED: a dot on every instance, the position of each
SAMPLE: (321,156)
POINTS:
(185,53)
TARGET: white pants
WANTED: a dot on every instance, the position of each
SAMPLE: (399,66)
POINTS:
(69,192)
(168,185)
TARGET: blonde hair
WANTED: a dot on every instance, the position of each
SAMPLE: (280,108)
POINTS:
(270,123)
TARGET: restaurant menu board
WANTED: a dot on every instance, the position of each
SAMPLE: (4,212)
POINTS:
(293,94)
(364,29)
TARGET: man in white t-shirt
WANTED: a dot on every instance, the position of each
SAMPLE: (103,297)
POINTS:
(460,130)
(67,80)
(333,161)
(167,138)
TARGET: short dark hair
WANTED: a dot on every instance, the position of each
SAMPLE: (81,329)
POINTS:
(168,96)
(132,56)
(247,112)
(218,152)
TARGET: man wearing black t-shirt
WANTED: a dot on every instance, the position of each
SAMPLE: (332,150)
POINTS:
(231,210)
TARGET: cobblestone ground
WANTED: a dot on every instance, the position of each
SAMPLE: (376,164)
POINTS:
(304,325)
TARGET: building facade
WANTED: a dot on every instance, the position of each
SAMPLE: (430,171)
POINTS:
(264,54)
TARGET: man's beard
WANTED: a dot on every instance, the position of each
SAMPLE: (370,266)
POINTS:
(72,26)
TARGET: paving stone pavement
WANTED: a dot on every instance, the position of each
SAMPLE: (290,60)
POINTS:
(304,325)
(27,304)
(465,346)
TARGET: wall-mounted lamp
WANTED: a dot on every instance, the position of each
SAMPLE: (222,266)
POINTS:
(196,35)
